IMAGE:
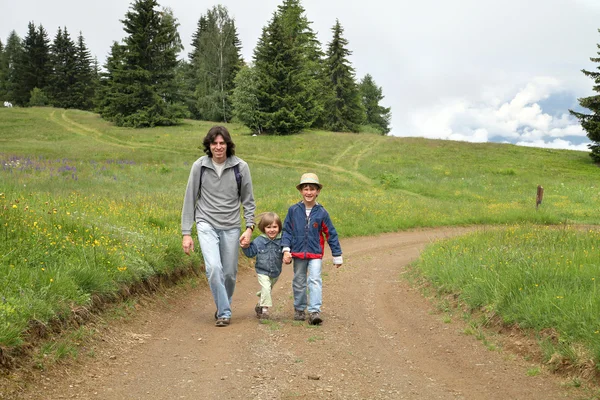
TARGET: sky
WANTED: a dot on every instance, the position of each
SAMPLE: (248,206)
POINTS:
(469,70)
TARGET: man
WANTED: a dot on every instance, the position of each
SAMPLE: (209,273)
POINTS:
(218,183)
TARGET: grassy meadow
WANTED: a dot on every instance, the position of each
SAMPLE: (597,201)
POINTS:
(88,209)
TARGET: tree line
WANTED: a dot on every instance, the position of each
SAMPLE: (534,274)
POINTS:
(292,83)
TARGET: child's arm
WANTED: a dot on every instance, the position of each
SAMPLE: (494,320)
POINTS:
(286,238)
(333,241)
(251,250)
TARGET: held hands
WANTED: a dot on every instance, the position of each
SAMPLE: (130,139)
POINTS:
(287,257)
(188,244)
(245,238)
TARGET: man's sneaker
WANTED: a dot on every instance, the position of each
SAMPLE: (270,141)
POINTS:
(264,313)
(315,318)
(299,315)
(258,310)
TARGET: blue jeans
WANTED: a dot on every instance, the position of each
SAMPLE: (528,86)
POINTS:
(307,269)
(220,250)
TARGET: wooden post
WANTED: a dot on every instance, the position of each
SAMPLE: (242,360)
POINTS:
(539,197)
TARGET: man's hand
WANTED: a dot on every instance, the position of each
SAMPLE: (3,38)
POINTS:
(188,244)
(245,238)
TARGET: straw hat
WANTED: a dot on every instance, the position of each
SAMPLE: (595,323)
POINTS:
(309,178)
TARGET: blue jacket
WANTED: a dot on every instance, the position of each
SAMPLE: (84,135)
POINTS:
(306,236)
(269,257)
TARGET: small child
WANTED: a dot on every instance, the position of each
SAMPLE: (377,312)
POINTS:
(306,228)
(267,250)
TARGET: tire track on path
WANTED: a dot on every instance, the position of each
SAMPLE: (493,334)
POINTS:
(85,131)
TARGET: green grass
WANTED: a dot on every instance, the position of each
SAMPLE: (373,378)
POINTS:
(88,209)
(541,278)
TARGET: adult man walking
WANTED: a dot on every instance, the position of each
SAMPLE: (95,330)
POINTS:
(219,183)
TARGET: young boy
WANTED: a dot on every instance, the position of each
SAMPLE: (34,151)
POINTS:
(267,250)
(306,227)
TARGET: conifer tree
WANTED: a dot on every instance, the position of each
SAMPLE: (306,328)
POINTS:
(33,67)
(343,108)
(63,73)
(287,70)
(298,27)
(140,89)
(86,78)
(591,122)
(215,61)
(3,72)
(111,84)
(376,115)
(13,52)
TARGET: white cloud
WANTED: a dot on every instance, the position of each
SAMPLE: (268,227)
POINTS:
(555,144)
(518,119)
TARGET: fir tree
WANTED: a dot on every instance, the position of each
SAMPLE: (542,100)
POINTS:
(63,74)
(343,109)
(287,70)
(591,122)
(13,53)
(3,73)
(140,88)
(111,85)
(33,67)
(376,115)
(86,78)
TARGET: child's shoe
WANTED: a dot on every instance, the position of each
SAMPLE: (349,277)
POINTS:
(315,318)
(299,315)
(264,313)
(258,310)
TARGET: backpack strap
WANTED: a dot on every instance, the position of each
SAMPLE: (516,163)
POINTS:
(238,178)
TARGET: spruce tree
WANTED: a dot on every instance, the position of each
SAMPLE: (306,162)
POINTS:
(287,69)
(33,67)
(63,74)
(591,122)
(215,61)
(140,88)
(13,53)
(86,79)
(111,86)
(3,73)
(376,115)
(343,108)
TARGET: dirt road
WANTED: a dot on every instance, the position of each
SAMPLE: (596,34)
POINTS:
(380,340)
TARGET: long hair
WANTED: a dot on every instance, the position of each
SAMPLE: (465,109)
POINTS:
(211,136)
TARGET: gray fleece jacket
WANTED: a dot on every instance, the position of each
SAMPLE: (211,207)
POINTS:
(219,202)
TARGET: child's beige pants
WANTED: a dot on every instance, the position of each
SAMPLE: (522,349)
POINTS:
(266,285)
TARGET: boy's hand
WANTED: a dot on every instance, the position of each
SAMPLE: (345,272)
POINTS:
(244,245)
(287,257)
